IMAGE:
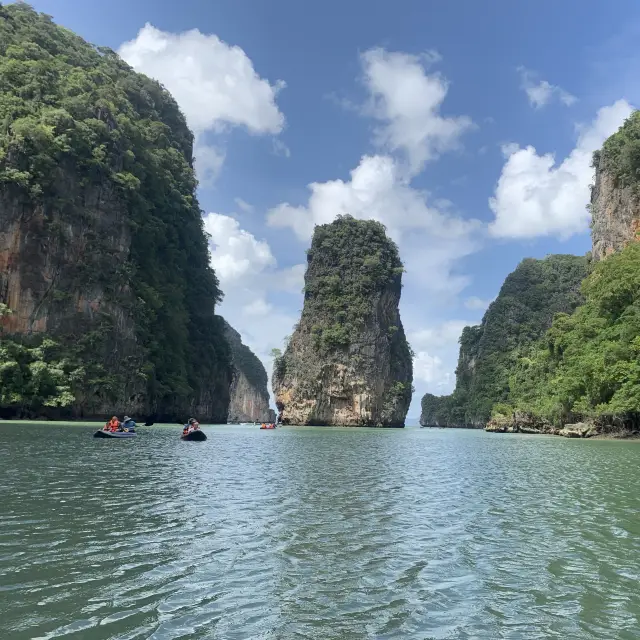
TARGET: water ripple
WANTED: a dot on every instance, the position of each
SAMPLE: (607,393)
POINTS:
(320,534)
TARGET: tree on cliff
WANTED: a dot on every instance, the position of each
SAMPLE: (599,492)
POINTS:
(31,377)
(348,361)
(524,309)
(588,363)
(99,160)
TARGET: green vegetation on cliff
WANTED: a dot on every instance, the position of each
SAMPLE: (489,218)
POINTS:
(622,151)
(522,312)
(587,366)
(353,260)
(245,361)
(80,124)
(348,361)
(32,377)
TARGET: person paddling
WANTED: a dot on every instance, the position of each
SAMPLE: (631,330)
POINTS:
(128,424)
(112,425)
(192,425)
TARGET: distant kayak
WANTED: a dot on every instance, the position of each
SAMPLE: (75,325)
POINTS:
(114,434)
(268,428)
(196,436)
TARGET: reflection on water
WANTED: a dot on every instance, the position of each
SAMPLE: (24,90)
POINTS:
(317,533)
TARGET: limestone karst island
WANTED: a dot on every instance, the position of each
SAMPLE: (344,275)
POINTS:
(347,362)
(295,301)
(557,351)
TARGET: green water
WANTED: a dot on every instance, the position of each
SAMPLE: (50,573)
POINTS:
(317,533)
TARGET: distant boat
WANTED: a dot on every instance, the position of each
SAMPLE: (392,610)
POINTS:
(195,436)
(101,433)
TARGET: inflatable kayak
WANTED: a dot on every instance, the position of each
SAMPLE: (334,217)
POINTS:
(114,434)
(196,436)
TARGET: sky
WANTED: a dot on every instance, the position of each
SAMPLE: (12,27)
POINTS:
(466,127)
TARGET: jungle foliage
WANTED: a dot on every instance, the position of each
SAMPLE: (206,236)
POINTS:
(75,120)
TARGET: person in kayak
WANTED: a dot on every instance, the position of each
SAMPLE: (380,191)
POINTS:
(112,425)
(194,425)
(128,424)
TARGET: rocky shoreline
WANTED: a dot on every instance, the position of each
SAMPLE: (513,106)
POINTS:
(530,424)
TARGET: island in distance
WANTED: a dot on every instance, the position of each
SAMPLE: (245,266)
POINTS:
(348,362)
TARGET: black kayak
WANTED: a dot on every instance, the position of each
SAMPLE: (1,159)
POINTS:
(196,436)
(114,434)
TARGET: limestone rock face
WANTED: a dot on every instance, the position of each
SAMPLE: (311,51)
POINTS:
(43,279)
(249,393)
(348,362)
(615,211)
(102,246)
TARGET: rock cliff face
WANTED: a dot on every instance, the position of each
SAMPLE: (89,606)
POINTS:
(520,315)
(102,246)
(347,362)
(249,393)
(615,198)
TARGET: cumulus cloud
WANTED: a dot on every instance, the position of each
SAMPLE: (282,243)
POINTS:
(430,369)
(214,83)
(235,253)
(432,239)
(407,100)
(249,276)
(208,162)
(290,279)
(541,92)
(535,196)
(440,335)
(436,356)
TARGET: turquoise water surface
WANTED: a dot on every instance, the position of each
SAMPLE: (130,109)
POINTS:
(317,533)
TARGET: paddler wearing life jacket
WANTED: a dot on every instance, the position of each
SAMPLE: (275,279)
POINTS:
(112,425)
(192,425)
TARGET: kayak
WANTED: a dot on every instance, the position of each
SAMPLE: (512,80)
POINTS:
(269,428)
(196,436)
(114,434)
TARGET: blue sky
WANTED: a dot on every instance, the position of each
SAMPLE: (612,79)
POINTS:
(466,127)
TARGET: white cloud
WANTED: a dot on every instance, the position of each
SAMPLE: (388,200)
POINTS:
(235,253)
(440,335)
(244,206)
(214,83)
(208,162)
(249,275)
(432,240)
(536,197)
(408,100)
(290,279)
(477,304)
(541,92)
(436,350)
(429,369)
(281,149)
(258,307)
